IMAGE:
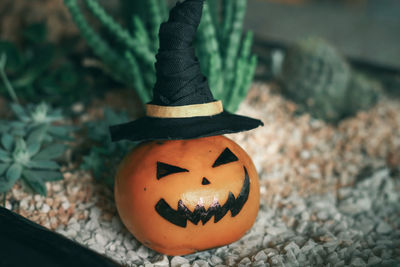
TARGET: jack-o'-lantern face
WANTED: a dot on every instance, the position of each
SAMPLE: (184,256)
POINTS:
(182,196)
(183,214)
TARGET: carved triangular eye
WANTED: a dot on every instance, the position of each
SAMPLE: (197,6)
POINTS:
(226,157)
(164,169)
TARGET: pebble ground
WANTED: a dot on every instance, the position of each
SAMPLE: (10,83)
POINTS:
(330,195)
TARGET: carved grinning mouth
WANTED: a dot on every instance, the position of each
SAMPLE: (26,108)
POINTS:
(180,216)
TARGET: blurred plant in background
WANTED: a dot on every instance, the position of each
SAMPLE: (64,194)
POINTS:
(32,116)
(321,82)
(16,15)
(42,70)
(104,156)
(30,159)
(30,142)
(130,53)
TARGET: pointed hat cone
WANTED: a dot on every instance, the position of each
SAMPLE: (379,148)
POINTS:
(183,106)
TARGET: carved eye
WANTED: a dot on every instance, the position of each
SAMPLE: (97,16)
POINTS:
(164,169)
(225,157)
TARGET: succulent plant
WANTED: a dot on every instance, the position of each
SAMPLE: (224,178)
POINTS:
(321,82)
(34,116)
(104,155)
(225,58)
(28,159)
(29,143)
(40,70)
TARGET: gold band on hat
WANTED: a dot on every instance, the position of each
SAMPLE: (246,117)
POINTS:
(187,111)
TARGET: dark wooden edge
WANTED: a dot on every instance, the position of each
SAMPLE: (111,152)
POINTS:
(25,243)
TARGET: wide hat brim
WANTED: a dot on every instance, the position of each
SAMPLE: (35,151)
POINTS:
(150,128)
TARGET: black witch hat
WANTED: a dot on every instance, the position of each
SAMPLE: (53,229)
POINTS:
(183,106)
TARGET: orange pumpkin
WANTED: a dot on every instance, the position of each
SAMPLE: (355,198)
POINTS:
(182,196)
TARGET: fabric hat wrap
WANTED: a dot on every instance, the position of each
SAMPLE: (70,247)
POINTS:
(183,106)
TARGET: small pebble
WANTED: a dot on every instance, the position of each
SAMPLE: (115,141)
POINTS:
(245,262)
(383,228)
(163,262)
(45,208)
(178,261)
(101,240)
(260,256)
(215,260)
(200,263)
(143,252)
(132,255)
(357,262)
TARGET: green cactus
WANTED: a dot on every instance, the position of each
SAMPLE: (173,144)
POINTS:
(362,93)
(225,58)
(321,82)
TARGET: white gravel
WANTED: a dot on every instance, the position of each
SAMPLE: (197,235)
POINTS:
(330,195)
(358,226)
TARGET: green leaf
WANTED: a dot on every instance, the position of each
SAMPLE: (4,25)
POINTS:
(4,156)
(14,172)
(93,161)
(4,127)
(51,152)
(17,124)
(37,135)
(37,65)
(5,185)
(42,175)
(33,148)
(36,33)
(19,111)
(5,159)
(3,168)
(7,141)
(44,164)
(37,186)
(20,145)
(56,113)
(14,58)
(59,130)
(113,117)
